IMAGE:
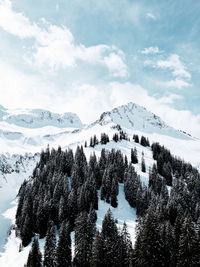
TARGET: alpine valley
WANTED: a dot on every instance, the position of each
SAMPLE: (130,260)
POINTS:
(121,191)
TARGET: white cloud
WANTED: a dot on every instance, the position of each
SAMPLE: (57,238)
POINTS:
(173,63)
(116,65)
(149,62)
(150,16)
(55,46)
(169,99)
(88,101)
(177,83)
(151,50)
(22,90)
(16,23)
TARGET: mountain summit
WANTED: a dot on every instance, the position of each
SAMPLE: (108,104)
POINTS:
(30,130)
(135,117)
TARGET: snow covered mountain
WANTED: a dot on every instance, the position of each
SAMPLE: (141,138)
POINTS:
(23,133)
(37,118)
(28,131)
(132,116)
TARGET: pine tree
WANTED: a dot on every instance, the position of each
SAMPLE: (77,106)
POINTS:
(97,251)
(187,245)
(115,137)
(35,256)
(131,185)
(125,162)
(84,236)
(169,249)
(136,138)
(61,211)
(72,206)
(91,142)
(114,193)
(50,246)
(143,166)
(104,139)
(167,173)
(110,238)
(125,247)
(134,158)
(26,231)
(144,141)
(63,252)
(149,245)
(26,223)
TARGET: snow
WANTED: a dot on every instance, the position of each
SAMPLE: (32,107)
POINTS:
(23,131)
(132,118)
(122,213)
(9,186)
(37,118)
(12,256)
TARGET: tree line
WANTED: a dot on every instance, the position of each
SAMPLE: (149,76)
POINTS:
(63,194)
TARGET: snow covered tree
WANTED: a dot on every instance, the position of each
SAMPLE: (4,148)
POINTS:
(97,251)
(84,236)
(131,185)
(188,255)
(63,251)
(143,166)
(125,247)
(136,138)
(134,158)
(149,248)
(110,238)
(104,139)
(167,173)
(50,246)
(35,256)
(144,141)
(114,193)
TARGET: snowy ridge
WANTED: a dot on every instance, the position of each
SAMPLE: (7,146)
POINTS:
(133,116)
(36,118)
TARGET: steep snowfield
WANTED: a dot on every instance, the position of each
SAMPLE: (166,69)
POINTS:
(18,169)
(25,131)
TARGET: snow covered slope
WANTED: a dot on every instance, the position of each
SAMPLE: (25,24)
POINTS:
(37,118)
(28,131)
(25,131)
(132,116)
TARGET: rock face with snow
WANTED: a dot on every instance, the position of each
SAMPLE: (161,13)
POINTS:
(23,131)
(133,116)
(36,118)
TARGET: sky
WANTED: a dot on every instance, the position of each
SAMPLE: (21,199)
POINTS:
(90,56)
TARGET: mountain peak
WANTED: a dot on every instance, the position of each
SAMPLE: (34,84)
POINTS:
(137,118)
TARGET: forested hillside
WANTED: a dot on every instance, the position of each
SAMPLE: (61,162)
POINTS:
(62,197)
